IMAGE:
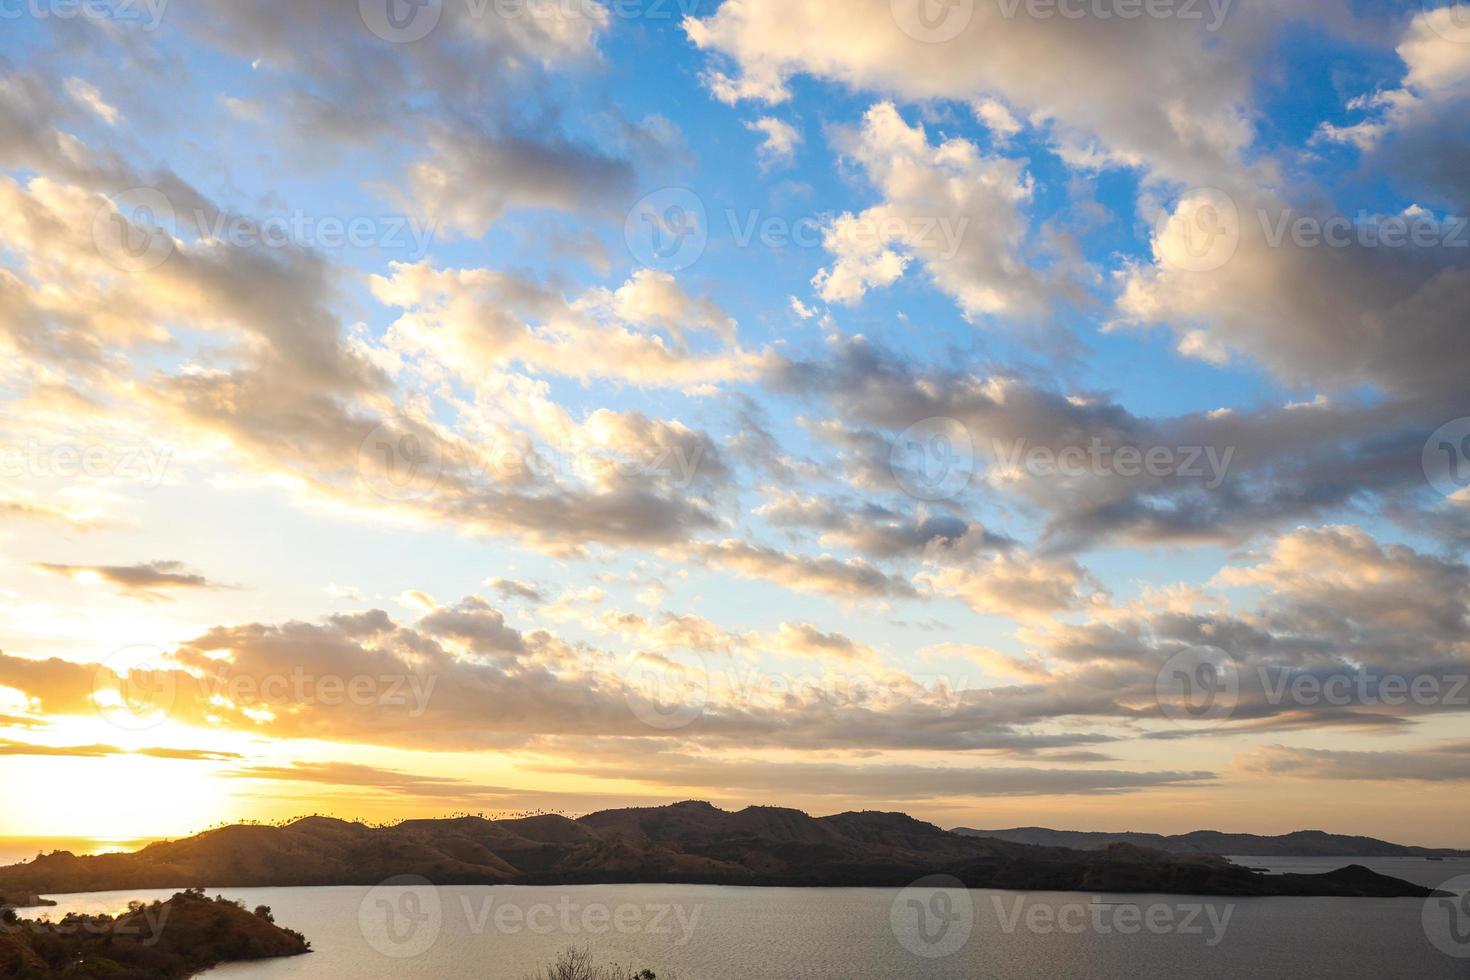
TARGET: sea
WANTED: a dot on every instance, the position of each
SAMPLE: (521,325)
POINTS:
(407,929)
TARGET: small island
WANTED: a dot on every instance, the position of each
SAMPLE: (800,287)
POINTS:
(169,940)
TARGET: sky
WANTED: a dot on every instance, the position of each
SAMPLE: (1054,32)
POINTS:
(1010,412)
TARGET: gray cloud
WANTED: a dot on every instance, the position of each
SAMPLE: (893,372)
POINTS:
(145,580)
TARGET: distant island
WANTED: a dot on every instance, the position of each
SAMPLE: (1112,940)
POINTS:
(1302,843)
(169,940)
(692,842)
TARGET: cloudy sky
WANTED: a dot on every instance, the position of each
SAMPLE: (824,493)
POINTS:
(1007,411)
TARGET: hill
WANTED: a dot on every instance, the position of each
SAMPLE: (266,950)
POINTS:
(164,941)
(690,842)
(1302,843)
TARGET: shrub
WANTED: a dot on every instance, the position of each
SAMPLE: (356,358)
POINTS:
(577,964)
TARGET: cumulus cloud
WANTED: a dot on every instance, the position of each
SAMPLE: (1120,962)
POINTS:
(1315,297)
(1084,75)
(477,320)
(1014,585)
(949,207)
(779,140)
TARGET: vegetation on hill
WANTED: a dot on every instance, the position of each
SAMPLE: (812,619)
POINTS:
(169,940)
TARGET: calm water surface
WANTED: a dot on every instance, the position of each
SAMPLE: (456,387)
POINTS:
(15,850)
(724,933)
